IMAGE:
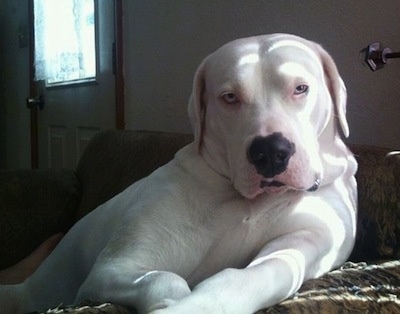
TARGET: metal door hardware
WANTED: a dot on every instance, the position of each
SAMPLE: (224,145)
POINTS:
(35,101)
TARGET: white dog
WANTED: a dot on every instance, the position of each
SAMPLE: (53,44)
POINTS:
(264,199)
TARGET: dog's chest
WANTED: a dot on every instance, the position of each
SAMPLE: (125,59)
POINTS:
(236,233)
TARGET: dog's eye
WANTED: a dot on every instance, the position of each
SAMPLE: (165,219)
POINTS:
(230,98)
(301,89)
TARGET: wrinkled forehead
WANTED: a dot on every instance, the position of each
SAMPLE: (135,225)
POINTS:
(292,47)
(289,56)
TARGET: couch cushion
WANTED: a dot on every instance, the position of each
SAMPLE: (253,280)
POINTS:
(114,159)
(33,206)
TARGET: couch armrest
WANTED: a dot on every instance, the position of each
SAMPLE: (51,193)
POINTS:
(33,206)
(378,229)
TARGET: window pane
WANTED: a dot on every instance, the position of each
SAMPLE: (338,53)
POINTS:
(65,40)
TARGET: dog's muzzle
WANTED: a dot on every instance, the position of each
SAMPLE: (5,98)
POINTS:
(270,154)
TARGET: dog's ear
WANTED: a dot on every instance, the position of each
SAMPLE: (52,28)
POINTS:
(197,107)
(336,87)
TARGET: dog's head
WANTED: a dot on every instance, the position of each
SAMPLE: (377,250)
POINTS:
(263,109)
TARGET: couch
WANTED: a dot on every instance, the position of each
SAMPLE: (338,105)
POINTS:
(35,204)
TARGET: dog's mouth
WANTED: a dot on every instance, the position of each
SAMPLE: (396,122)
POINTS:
(271,183)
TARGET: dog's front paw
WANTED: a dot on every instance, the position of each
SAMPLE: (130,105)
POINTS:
(185,306)
(158,290)
(161,305)
(166,309)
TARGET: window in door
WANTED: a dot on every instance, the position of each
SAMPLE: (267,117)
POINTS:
(65,45)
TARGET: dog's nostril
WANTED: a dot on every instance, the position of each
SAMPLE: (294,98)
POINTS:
(281,156)
(270,155)
(259,157)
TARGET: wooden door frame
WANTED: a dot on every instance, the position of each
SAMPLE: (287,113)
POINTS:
(119,71)
(119,79)
(32,91)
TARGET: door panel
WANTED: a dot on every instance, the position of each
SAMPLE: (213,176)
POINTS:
(57,146)
(73,113)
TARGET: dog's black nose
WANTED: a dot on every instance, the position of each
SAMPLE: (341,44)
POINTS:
(270,154)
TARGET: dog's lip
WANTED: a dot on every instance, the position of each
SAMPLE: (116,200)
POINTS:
(270,182)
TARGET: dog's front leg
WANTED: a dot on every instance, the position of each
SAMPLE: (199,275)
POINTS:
(141,291)
(235,291)
(275,274)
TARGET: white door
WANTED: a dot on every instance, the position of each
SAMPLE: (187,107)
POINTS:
(75,110)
